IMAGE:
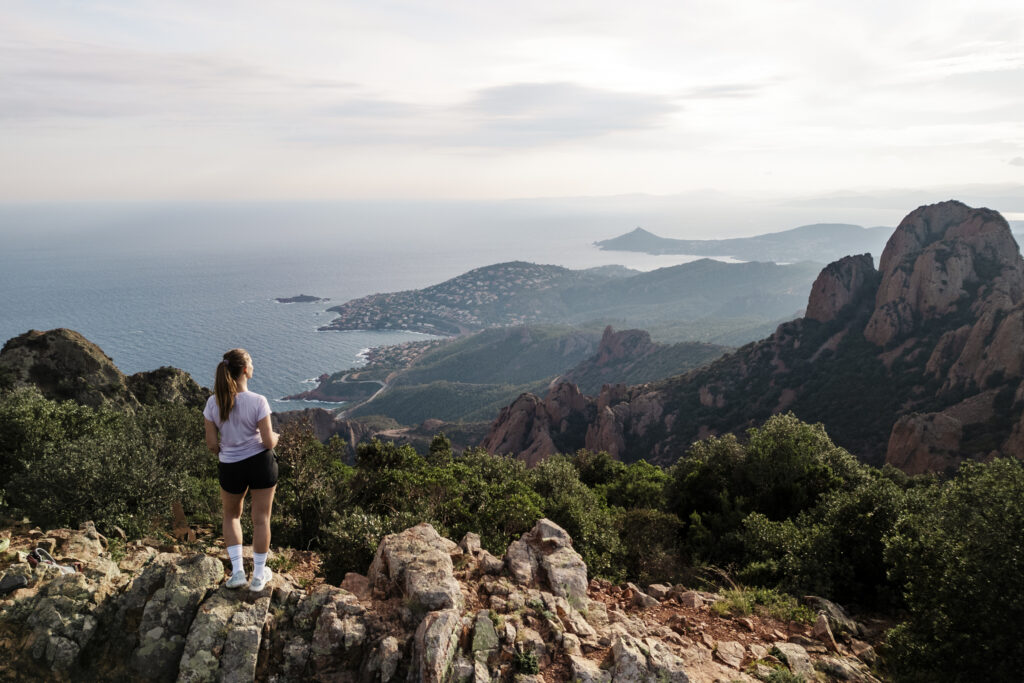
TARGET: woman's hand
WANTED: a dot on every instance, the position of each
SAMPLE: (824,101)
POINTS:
(267,434)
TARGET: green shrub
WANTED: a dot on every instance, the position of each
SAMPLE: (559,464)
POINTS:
(350,539)
(744,601)
(958,555)
(833,549)
(313,482)
(526,662)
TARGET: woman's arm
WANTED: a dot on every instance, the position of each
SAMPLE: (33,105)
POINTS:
(212,442)
(267,434)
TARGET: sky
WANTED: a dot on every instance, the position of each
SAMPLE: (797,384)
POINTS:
(452,99)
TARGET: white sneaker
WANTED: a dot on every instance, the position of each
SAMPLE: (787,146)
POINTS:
(256,585)
(237,580)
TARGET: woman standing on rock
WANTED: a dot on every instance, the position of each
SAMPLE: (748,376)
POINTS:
(245,449)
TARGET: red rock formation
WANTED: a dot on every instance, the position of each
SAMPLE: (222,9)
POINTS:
(936,256)
(909,364)
(523,428)
(924,443)
(838,285)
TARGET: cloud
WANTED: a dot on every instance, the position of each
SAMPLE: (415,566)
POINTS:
(83,80)
(1017,161)
(722,91)
(528,114)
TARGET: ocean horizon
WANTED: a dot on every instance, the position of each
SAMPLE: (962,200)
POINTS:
(155,286)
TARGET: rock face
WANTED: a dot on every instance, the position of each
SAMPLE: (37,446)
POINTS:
(524,428)
(839,285)
(544,557)
(418,563)
(919,364)
(934,260)
(64,365)
(158,616)
(167,385)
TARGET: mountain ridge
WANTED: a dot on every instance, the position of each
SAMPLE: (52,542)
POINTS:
(918,364)
(821,242)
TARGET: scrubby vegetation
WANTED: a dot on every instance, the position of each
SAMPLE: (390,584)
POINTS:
(782,510)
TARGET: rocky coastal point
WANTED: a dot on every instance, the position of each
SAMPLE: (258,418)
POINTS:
(427,609)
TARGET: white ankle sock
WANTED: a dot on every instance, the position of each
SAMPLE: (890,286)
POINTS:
(235,555)
(259,560)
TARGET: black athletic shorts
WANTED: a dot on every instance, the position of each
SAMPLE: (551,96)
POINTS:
(255,472)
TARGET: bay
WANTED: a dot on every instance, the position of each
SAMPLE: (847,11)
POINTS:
(159,284)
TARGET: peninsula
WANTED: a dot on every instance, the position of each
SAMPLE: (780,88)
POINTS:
(821,242)
(719,295)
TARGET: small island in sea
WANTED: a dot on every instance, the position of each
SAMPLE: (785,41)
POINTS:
(300,299)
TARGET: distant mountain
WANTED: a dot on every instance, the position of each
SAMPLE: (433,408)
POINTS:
(919,364)
(517,293)
(821,242)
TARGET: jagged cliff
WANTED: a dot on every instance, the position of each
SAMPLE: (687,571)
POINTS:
(64,365)
(919,363)
(426,610)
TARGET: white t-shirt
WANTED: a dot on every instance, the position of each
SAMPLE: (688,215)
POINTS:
(240,435)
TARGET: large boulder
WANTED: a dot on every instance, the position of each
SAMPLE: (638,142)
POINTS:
(436,642)
(168,616)
(417,565)
(922,443)
(544,557)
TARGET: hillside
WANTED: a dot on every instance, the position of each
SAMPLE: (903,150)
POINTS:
(918,364)
(719,295)
(470,378)
(821,242)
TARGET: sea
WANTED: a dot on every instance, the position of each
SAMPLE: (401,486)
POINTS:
(179,283)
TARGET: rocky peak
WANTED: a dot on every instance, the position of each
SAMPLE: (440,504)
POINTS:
(940,257)
(626,344)
(64,365)
(523,427)
(840,284)
(167,385)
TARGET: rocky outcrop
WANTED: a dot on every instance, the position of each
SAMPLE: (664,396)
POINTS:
(167,385)
(66,366)
(940,256)
(917,364)
(417,564)
(525,428)
(925,443)
(544,558)
(164,616)
(631,356)
(839,285)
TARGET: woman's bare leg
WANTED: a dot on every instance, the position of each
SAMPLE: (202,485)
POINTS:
(232,504)
(262,502)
